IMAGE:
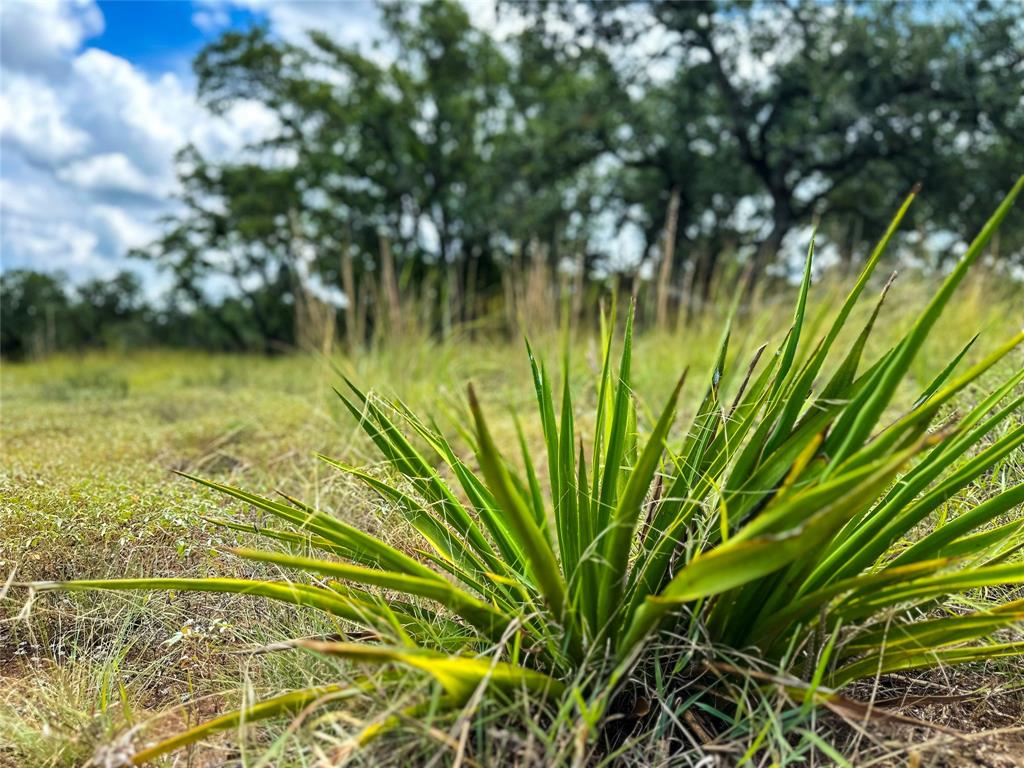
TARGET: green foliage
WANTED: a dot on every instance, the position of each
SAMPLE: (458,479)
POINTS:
(817,108)
(474,157)
(786,519)
(31,304)
(449,153)
(451,170)
(41,313)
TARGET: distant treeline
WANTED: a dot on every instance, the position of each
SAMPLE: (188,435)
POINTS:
(450,174)
(41,314)
(45,313)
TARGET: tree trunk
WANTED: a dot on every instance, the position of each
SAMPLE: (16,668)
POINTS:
(353,333)
(392,300)
(667,256)
(852,243)
(579,283)
(472,276)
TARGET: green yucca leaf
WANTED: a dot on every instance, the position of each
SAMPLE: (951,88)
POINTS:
(814,515)
(407,459)
(918,419)
(746,491)
(302,595)
(747,557)
(839,385)
(936,633)
(586,540)
(918,591)
(477,493)
(605,396)
(769,625)
(897,516)
(789,349)
(287,703)
(546,410)
(488,619)
(628,509)
(880,664)
(573,527)
(436,533)
(360,546)
(696,472)
(1007,535)
(969,521)
(774,467)
(708,417)
(857,487)
(945,373)
(537,505)
(943,457)
(458,675)
(540,558)
(304,540)
(869,410)
(802,386)
(877,531)
(617,434)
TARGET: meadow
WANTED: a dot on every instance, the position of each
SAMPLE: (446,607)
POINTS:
(89,444)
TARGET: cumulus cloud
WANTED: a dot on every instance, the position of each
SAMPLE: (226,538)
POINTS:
(88,142)
(36,121)
(110,172)
(39,35)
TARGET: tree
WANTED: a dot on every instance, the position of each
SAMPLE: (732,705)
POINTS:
(394,150)
(425,168)
(234,235)
(33,313)
(836,107)
(110,311)
(446,153)
(687,159)
(41,313)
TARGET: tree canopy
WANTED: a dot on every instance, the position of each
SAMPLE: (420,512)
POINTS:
(444,164)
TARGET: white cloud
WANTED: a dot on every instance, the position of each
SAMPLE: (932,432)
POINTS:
(211,20)
(112,172)
(39,35)
(36,120)
(121,230)
(88,143)
(61,245)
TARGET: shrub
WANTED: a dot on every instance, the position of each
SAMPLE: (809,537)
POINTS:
(788,520)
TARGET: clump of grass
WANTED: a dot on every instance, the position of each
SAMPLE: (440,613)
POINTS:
(788,521)
(97,384)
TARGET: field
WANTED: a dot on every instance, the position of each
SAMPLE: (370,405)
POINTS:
(87,492)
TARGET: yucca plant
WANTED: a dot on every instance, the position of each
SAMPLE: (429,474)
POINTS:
(787,520)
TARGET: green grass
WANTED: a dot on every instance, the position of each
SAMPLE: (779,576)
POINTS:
(87,492)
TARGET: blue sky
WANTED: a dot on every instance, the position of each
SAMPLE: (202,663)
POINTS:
(96,97)
(163,35)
